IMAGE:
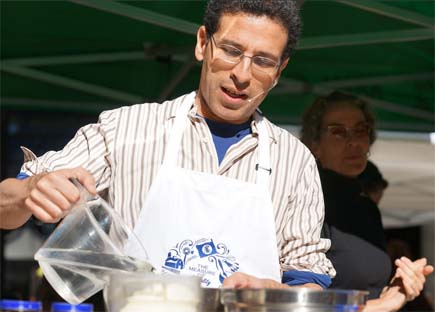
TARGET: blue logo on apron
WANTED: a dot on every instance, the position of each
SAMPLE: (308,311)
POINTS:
(206,249)
(201,257)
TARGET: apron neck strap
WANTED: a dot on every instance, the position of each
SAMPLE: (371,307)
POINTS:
(264,170)
(262,167)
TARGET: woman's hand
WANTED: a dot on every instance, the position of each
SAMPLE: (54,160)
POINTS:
(406,285)
(411,276)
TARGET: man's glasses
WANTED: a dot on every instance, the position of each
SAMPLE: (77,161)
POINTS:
(233,55)
(361,131)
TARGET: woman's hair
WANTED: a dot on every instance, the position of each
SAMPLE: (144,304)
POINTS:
(313,116)
(285,12)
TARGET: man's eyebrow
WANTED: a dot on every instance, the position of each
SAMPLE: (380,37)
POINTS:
(231,42)
(240,47)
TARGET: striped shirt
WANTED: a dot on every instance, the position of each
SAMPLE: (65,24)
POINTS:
(125,148)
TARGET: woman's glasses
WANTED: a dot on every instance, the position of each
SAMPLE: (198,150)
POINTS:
(361,131)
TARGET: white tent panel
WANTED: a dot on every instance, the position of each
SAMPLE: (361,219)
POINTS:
(409,167)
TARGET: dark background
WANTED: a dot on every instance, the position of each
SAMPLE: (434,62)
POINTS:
(39,131)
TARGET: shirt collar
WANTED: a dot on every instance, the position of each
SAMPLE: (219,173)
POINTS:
(273,134)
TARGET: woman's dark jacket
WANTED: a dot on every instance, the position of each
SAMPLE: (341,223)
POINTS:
(353,223)
(349,210)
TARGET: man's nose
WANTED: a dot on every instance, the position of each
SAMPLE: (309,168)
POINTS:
(242,73)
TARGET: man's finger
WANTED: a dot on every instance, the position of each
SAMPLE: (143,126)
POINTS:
(58,180)
(39,212)
(52,195)
(86,179)
(239,280)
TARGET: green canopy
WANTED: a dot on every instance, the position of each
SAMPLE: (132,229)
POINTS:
(91,55)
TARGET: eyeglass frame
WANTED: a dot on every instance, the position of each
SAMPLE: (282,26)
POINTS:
(350,131)
(242,55)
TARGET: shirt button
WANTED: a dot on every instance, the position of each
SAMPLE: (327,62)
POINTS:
(204,140)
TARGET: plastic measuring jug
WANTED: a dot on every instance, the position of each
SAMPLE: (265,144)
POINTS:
(91,242)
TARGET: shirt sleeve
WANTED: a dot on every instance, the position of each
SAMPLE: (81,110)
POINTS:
(304,249)
(22,176)
(91,148)
(294,278)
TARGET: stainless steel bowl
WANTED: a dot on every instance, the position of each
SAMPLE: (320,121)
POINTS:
(123,285)
(211,300)
(280,300)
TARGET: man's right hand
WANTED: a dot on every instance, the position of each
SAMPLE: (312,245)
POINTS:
(51,195)
(48,196)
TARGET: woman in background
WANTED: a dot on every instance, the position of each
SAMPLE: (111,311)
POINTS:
(339,130)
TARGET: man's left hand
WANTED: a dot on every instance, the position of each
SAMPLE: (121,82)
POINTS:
(242,280)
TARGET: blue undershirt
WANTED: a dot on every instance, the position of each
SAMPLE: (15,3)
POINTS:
(224,136)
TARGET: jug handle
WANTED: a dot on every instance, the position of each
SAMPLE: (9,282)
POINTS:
(85,196)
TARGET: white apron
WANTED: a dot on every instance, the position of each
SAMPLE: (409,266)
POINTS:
(208,225)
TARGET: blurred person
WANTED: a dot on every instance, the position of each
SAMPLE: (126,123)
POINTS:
(372,182)
(339,130)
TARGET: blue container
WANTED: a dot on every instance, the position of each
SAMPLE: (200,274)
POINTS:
(66,307)
(347,308)
(20,305)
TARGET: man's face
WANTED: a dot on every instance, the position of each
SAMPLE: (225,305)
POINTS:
(336,149)
(230,92)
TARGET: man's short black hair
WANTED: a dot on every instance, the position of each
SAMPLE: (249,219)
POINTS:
(285,12)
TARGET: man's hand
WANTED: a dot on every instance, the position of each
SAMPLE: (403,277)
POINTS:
(48,196)
(242,280)
(51,195)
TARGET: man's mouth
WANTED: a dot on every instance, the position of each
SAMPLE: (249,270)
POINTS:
(234,94)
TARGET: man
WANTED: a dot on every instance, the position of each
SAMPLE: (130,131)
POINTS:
(210,185)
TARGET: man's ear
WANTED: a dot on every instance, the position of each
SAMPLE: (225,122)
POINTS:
(201,43)
(281,68)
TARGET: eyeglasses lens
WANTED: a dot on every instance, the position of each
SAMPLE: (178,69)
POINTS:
(341,132)
(233,55)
